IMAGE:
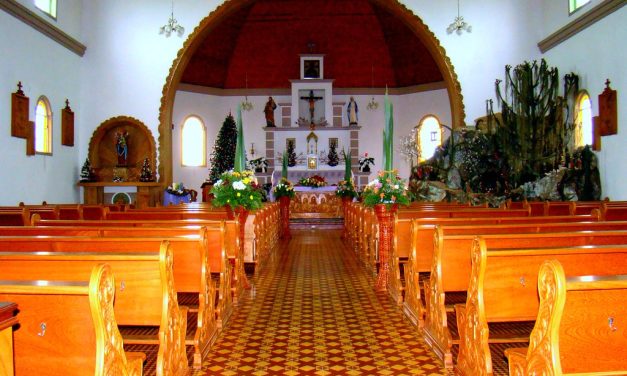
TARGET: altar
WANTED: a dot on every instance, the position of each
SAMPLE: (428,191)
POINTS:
(311,202)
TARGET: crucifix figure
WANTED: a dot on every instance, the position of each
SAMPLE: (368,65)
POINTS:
(312,103)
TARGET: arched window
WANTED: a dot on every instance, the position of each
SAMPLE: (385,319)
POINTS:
(583,120)
(193,142)
(573,5)
(429,136)
(47,6)
(43,126)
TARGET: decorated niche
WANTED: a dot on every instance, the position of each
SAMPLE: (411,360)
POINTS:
(118,148)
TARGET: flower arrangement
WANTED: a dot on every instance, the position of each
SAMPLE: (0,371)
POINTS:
(237,189)
(364,162)
(345,188)
(315,181)
(388,188)
(177,189)
(283,189)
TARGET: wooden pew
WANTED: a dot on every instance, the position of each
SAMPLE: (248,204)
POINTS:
(15,217)
(503,289)
(197,252)
(68,328)
(420,253)
(451,271)
(167,215)
(144,284)
(232,243)
(575,331)
(8,319)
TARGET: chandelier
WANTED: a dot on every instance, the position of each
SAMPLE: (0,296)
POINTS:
(459,25)
(172,26)
(372,105)
(246,105)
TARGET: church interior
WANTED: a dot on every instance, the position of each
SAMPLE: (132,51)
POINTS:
(313,187)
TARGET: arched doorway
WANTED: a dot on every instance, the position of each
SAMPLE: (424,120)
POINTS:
(227,9)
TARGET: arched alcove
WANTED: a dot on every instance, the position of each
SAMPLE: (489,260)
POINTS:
(103,153)
(230,8)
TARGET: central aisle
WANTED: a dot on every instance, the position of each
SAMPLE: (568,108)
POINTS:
(312,311)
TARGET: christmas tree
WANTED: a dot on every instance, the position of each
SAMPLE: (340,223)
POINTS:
(146,172)
(86,173)
(291,155)
(223,155)
(334,159)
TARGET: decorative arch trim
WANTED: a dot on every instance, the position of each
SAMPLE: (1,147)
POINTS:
(208,24)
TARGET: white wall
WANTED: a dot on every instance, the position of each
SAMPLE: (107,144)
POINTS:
(409,109)
(595,54)
(127,61)
(45,68)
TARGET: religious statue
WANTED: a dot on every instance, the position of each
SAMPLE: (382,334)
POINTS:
(269,111)
(351,111)
(121,146)
(312,104)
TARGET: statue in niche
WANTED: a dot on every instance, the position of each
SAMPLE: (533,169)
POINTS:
(121,146)
(269,111)
(351,111)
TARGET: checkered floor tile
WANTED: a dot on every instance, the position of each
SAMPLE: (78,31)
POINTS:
(313,311)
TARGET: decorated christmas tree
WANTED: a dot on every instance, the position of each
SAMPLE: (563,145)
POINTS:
(223,155)
(291,155)
(334,159)
(86,172)
(146,172)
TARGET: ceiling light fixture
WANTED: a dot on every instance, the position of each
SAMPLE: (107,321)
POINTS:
(246,105)
(172,26)
(459,25)
(372,105)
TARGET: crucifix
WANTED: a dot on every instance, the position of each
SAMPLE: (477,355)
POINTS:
(312,103)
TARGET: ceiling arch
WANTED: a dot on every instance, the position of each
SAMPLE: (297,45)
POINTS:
(391,13)
(258,46)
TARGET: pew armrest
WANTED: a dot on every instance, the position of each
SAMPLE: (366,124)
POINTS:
(135,362)
(517,360)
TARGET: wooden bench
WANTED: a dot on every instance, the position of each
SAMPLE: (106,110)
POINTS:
(68,328)
(15,217)
(503,289)
(575,329)
(451,271)
(420,254)
(197,252)
(144,285)
(232,242)
(8,319)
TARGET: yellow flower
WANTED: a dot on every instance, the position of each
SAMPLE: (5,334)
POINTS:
(246,180)
(251,197)
(238,194)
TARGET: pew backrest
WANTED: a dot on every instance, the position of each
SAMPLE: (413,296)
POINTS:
(68,327)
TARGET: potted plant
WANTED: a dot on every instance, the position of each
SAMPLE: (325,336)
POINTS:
(237,190)
(387,189)
(283,189)
(364,163)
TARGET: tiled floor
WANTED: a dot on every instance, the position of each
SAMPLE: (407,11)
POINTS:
(312,311)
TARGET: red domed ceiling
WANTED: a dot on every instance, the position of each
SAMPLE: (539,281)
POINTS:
(364,46)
